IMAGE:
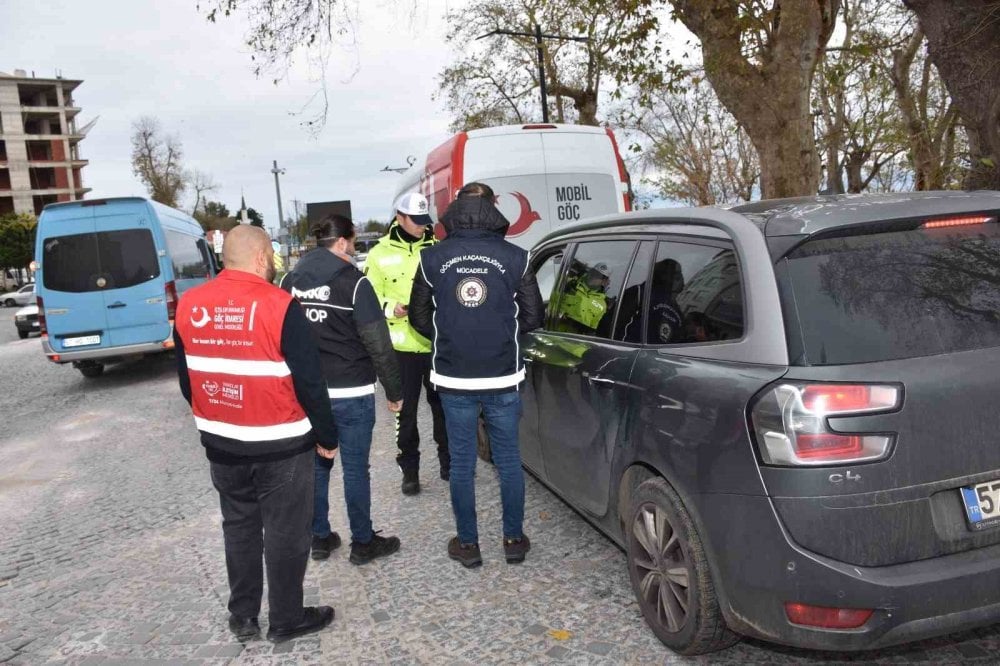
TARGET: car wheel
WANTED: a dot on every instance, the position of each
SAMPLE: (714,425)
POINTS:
(91,371)
(670,574)
(22,334)
(9,302)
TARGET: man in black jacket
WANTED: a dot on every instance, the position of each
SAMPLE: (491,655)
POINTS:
(472,297)
(355,347)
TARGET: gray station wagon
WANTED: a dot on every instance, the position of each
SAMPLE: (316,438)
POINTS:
(786,413)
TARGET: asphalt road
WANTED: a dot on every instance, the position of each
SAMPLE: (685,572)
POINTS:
(111,552)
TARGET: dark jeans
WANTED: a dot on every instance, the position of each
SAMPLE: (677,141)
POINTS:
(355,419)
(265,515)
(415,370)
(502,412)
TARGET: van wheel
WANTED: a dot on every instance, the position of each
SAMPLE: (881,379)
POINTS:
(91,371)
(22,334)
(670,575)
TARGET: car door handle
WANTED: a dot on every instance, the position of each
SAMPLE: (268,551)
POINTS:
(119,304)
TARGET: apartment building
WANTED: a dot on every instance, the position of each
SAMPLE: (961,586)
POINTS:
(39,143)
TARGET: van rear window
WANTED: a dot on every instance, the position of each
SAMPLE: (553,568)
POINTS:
(900,294)
(99,261)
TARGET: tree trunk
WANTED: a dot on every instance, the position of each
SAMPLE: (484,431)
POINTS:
(964,43)
(769,96)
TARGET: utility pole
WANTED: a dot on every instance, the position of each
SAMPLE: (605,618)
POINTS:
(281,220)
(539,36)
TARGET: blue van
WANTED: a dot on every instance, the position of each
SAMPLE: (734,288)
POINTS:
(110,272)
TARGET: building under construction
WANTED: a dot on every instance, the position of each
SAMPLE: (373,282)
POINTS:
(39,143)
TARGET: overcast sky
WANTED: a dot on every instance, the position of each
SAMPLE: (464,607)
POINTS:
(162,58)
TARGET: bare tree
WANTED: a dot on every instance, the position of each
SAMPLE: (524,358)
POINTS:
(858,125)
(495,80)
(929,114)
(694,150)
(964,44)
(760,58)
(201,184)
(156,161)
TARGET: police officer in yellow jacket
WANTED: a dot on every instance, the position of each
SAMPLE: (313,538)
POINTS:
(390,267)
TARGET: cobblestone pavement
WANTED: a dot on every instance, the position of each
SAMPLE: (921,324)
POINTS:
(111,552)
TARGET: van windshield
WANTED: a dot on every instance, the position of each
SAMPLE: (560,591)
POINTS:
(900,294)
(99,261)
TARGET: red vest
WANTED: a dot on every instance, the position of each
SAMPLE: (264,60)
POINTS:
(241,387)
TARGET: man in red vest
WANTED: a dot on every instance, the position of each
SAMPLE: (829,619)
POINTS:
(250,370)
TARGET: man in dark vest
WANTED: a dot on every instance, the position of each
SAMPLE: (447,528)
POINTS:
(473,295)
(249,368)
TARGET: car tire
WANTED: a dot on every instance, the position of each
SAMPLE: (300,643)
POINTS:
(10,302)
(663,546)
(91,371)
(22,334)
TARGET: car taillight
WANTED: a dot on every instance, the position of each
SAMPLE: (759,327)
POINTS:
(790,423)
(827,618)
(171,300)
(41,316)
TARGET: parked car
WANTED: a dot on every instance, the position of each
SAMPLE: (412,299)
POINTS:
(26,320)
(21,296)
(110,272)
(785,413)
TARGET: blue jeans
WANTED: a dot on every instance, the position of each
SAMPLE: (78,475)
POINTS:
(461,418)
(355,419)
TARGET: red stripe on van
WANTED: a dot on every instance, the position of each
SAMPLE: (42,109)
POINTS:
(622,174)
(447,165)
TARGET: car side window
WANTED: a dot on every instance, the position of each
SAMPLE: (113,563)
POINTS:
(588,295)
(547,274)
(696,295)
(187,256)
(628,322)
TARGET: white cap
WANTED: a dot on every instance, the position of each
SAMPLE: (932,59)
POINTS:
(415,205)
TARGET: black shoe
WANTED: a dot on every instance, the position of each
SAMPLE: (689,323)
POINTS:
(243,627)
(515,549)
(323,546)
(465,553)
(445,473)
(314,618)
(379,546)
(411,482)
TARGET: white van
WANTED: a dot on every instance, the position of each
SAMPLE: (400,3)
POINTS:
(544,176)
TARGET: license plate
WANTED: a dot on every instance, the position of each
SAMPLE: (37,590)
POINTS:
(82,341)
(982,504)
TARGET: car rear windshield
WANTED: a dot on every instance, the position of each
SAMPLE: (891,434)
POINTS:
(99,261)
(899,294)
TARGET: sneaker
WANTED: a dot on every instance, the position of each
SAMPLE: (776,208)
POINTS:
(243,627)
(379,546)
(314,618)
(411,482)
(467,554)
(515,549)
(322,546)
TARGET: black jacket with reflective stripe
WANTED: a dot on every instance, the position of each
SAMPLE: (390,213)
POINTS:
(473,297)
(347,321)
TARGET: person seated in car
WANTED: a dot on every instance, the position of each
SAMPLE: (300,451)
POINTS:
(666,325)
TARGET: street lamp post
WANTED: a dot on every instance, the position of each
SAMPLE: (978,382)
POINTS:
(539,36)
(281,219)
